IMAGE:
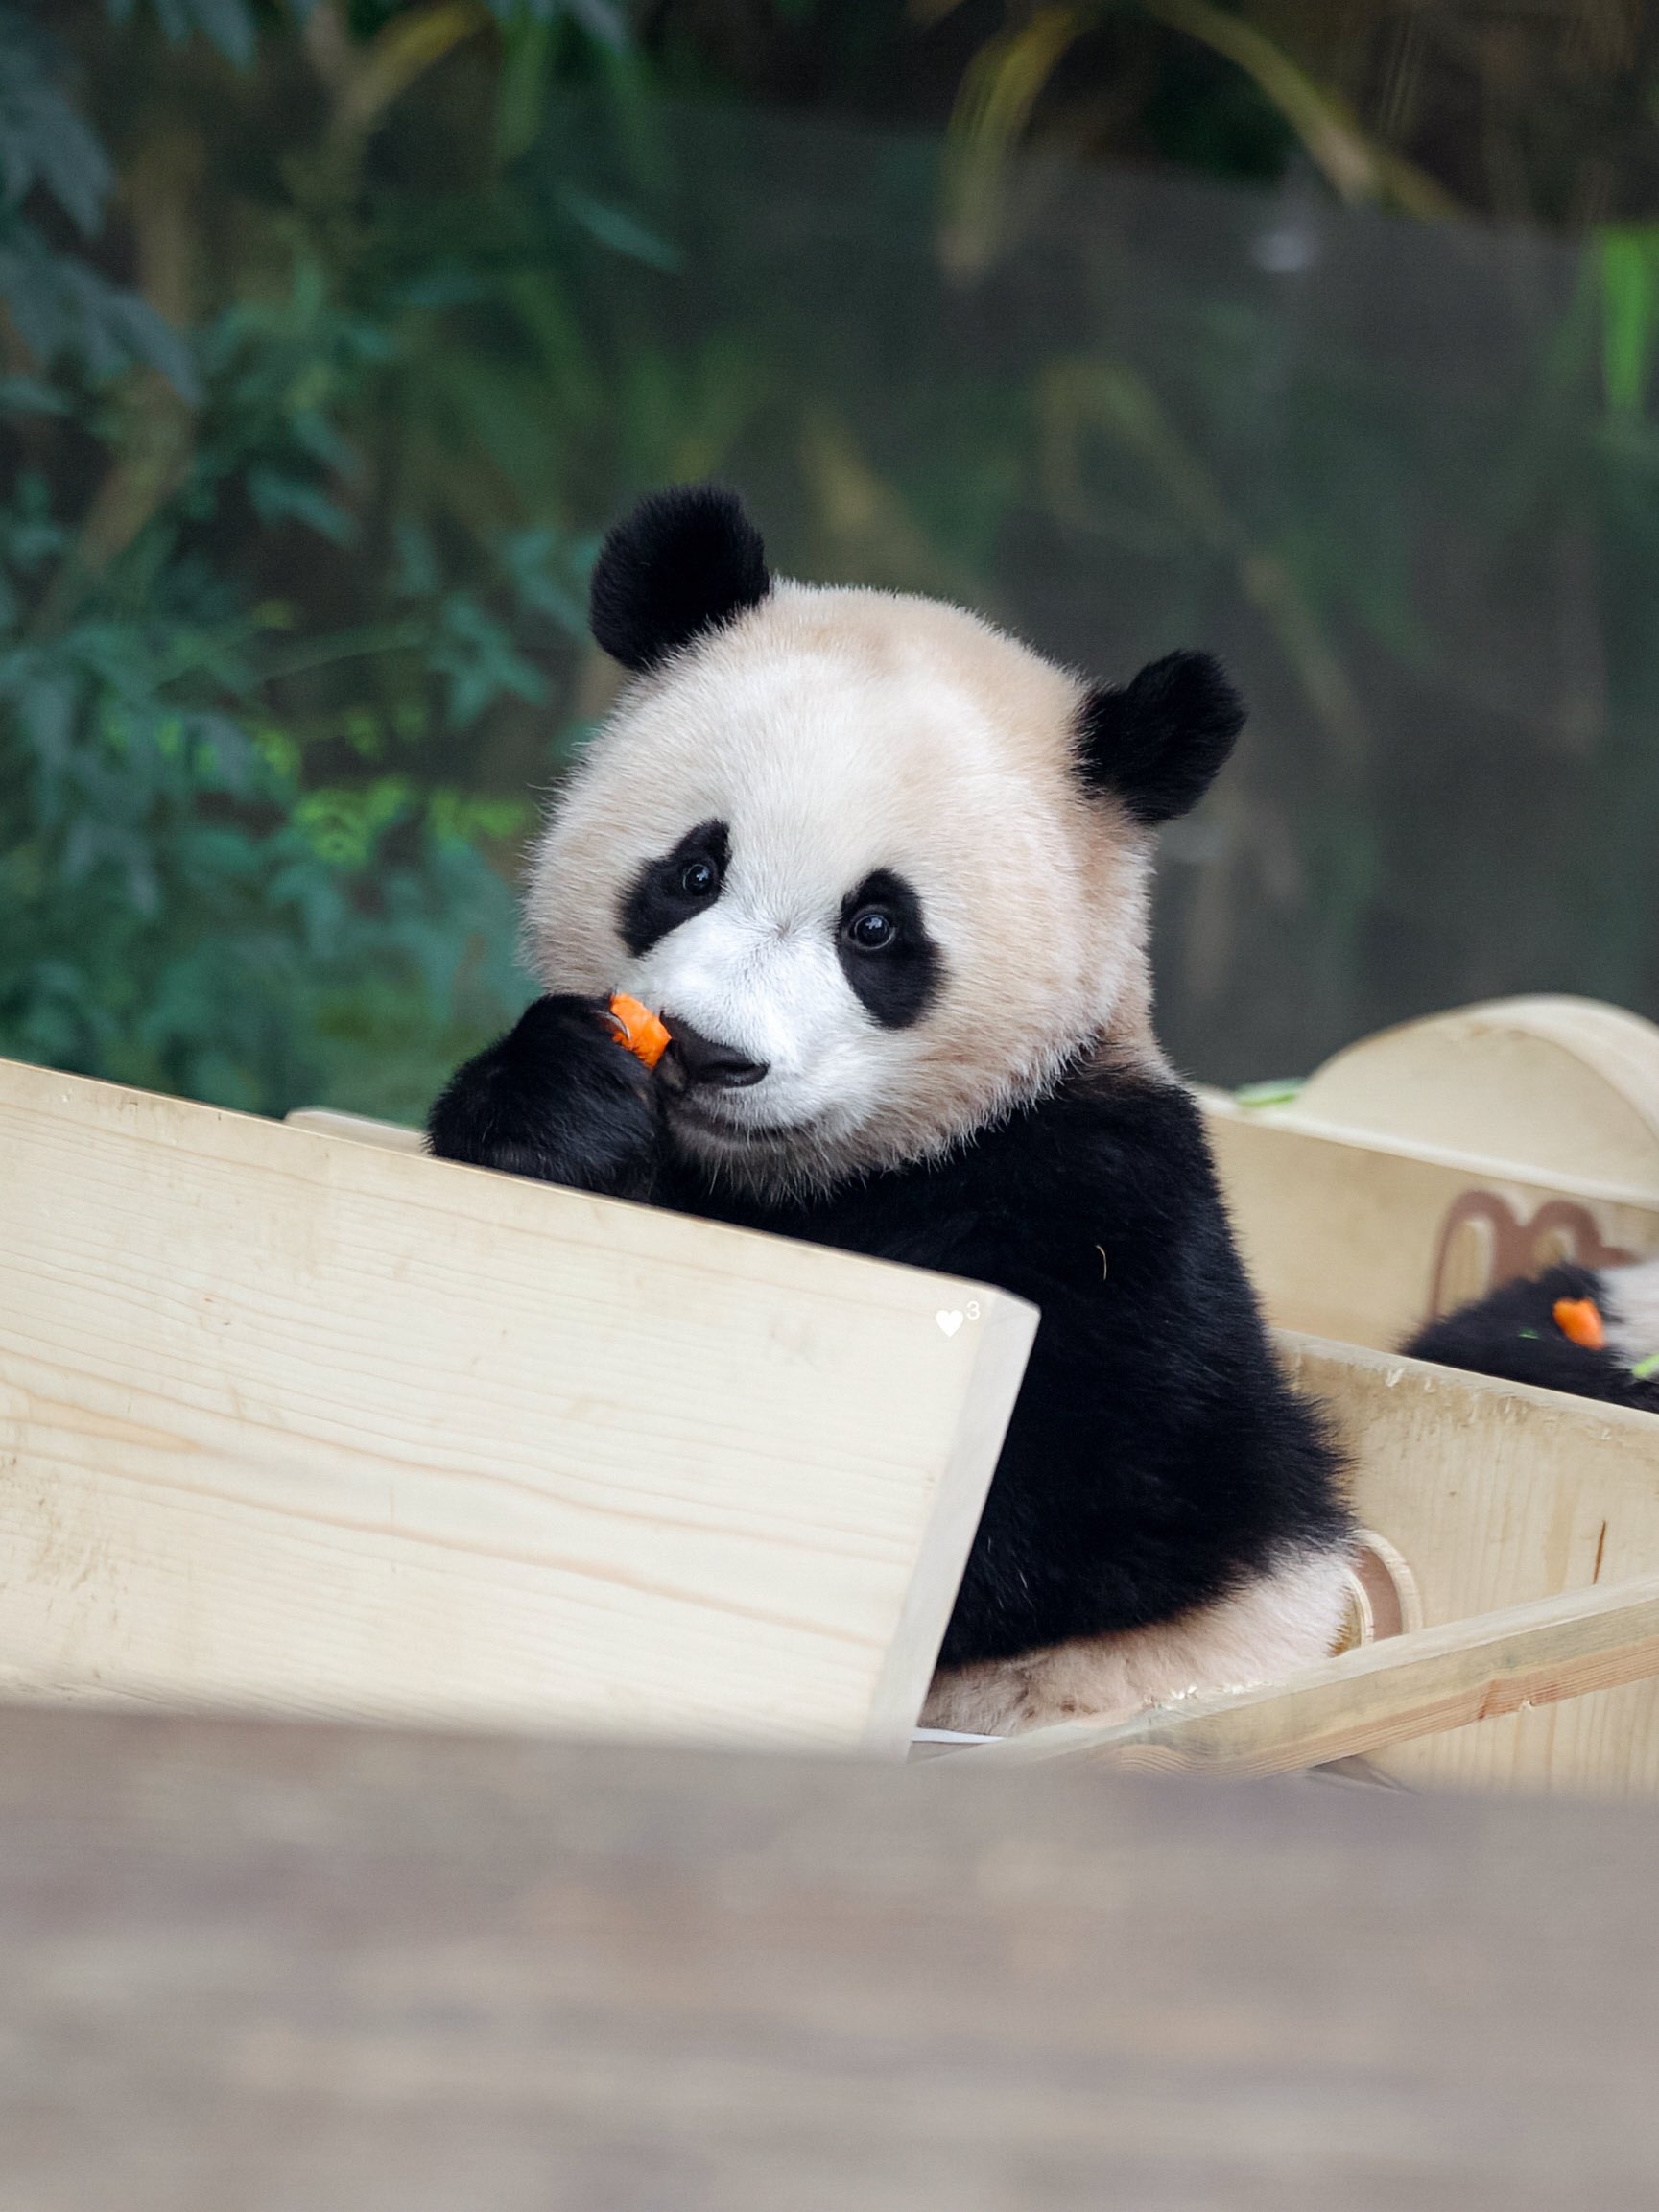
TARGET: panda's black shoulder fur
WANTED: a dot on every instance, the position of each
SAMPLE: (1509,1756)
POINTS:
(1512,1334)
(1156,1454)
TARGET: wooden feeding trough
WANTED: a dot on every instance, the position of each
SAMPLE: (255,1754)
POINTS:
(1425,1165)
(295,1420)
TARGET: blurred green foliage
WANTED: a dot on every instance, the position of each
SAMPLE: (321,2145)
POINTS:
(332,333)
(281,530)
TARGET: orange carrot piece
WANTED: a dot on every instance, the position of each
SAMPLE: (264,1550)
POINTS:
(1581,1319)
(643,1035)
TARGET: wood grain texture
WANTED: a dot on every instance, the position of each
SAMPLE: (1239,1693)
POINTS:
(1497,1495)
(1347,1236)
(1381,1694)
(294,1969)
(292,1422)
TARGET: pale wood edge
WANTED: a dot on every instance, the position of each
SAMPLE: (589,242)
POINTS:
(1326,1362)
(1007,1329)
(522,1205)
(1290,1121)
(356,1129)
(1411,1685)
(1612,1042)
(330,1155)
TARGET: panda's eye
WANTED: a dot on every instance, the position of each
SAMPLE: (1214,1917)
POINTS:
(699,878)
(872,929)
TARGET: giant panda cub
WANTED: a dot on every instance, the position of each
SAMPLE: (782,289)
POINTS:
(884,872)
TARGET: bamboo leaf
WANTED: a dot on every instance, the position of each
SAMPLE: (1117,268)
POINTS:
(370,78)
(1001,86)
(226,24)
(1358,165)
(1008,76)
(1627,276)
(614,227)
(42,140)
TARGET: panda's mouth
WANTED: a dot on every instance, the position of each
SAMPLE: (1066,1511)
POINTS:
(737,1130)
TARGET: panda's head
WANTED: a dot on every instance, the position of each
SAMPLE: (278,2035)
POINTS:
(882,870)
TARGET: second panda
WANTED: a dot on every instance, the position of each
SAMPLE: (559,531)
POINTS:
(885,874)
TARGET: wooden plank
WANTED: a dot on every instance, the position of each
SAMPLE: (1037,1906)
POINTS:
(291,1422)
(1497,1495)
(277,1966)
(1365,1239)
(1409,1686)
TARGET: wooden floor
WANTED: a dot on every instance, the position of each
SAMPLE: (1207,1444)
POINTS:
(251,1968)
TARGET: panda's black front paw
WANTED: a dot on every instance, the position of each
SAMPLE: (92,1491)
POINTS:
(558,1097)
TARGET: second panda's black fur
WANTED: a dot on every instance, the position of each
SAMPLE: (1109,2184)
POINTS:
(1512,1333)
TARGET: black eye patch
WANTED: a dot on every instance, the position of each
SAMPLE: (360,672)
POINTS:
(884,950)
(682,883)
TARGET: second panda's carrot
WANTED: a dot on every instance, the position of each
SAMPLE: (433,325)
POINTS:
(642,1034)
(1579,1320)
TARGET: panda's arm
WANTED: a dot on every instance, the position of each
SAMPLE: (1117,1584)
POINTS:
(558,1097)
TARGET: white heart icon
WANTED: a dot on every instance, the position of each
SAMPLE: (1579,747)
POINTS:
(950,1323)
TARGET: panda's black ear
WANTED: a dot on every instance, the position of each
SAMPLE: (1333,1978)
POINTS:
(1158,742)
(683,563)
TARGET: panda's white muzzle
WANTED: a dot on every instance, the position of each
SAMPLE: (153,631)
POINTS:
(774,1040)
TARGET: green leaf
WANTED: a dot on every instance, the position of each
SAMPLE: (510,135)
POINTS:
(32,395)
(65,310)
(42,140)
(280,497)
(226,24)
(1627,270)
(1284,1092)
(605,21)
(616,229)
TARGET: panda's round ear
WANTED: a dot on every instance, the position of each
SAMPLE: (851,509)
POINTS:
(1158,742)
(683,563)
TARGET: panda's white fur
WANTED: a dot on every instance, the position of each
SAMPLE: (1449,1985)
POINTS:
(850,730)
(1631,1310)
(1284,1620)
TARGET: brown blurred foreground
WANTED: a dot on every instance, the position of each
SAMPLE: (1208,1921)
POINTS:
(276,1968)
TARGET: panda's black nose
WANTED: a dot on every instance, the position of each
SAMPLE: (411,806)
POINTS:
(700,1060)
